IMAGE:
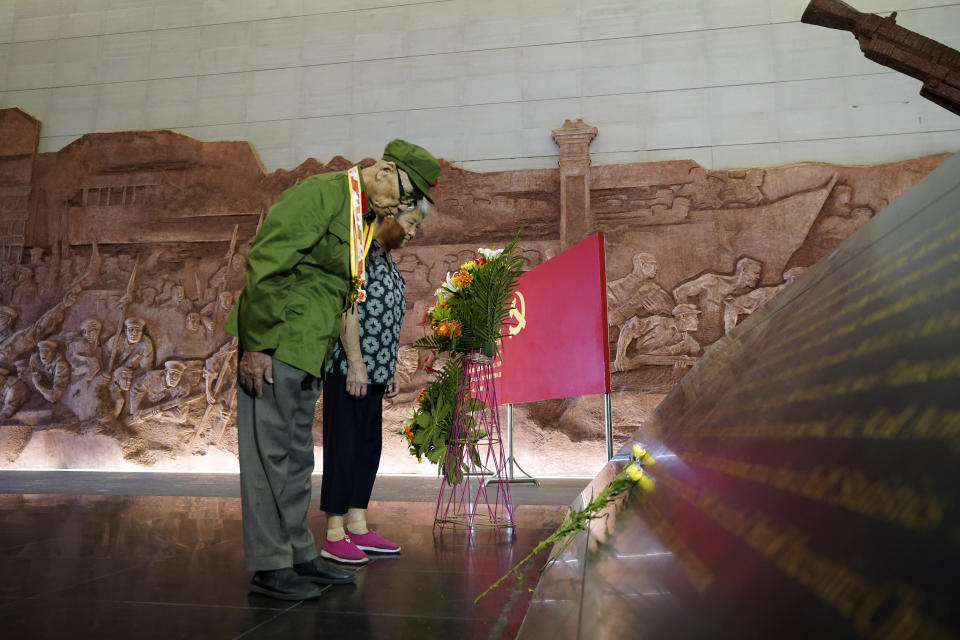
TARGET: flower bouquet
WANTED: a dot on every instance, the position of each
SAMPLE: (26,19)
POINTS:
(466,323)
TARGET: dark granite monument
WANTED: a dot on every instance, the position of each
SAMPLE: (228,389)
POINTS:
(806,475)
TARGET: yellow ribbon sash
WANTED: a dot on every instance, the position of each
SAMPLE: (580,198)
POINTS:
(361,236)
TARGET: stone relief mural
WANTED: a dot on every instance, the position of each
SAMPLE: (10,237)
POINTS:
(122,254)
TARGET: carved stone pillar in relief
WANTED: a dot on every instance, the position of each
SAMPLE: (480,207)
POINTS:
(574,140)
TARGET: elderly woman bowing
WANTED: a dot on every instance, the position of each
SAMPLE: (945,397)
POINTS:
(359,373)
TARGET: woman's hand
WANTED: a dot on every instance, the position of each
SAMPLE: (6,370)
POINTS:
(356,380)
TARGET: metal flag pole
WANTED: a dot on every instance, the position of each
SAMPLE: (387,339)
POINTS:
(608,422)
(510,460)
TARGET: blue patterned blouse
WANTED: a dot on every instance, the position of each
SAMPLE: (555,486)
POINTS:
(381,316)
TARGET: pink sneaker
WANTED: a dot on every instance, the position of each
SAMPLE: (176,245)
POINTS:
(373,543)
(343,551)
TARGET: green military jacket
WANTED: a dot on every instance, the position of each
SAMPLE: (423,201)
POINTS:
(298,275)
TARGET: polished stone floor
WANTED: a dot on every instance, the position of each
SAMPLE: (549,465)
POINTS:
(114,561)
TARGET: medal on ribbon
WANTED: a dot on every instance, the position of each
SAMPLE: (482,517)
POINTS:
(361,236)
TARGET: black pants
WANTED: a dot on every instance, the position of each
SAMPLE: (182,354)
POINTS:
(352,441)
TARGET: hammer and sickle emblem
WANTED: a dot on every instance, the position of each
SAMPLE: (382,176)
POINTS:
(518,313)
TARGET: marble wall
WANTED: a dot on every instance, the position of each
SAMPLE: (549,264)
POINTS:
(733,83)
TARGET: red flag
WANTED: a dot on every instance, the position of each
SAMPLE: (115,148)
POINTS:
(558,346)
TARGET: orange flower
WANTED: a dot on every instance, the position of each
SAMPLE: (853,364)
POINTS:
(447,328)
(462,279)
(409,432)
(421,395)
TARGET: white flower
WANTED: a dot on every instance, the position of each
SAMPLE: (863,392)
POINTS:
(490,254)
(449,284)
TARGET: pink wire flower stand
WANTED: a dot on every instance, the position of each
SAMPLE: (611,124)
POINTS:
(475,491)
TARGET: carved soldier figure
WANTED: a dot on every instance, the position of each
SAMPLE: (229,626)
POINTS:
(747,303)
(148,296)
(218,310)
(83,353)
(13,392)
(704,189)
(194,322)
(117,392)
(845,216)
(229,276)
(8,316)
(14,343)
(157,385)
(110,274)
(659,336)
(178,300)
(25,292)
(711,289)
(49,371)
(220,370)
(636,294)
(135,349)
(8,280)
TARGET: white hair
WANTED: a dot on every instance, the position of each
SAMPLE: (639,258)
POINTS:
(423,206)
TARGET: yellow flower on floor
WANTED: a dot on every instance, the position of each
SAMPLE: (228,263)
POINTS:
(641,454)
(637,475)
(646,483)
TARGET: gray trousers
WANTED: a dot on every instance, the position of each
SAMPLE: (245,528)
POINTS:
(275,438)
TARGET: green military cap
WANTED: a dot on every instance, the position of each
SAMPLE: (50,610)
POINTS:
(417,162)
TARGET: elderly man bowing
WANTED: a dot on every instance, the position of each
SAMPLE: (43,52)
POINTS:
(305,267)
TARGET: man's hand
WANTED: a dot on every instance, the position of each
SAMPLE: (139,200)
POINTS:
(356,380)
(253,369)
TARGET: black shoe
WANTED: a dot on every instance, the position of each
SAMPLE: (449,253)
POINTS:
(284,584)
(322,572)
